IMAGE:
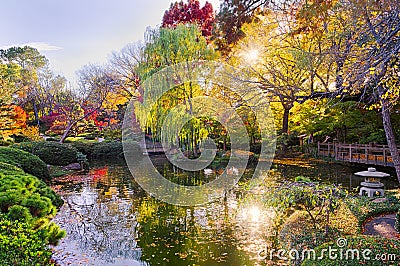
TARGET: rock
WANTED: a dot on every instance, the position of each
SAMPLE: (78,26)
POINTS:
(73,166)
(379,200)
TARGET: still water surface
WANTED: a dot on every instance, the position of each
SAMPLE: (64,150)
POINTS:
(110,220)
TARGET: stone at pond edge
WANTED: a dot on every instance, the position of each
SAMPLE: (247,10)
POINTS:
(379,200)
(73,166)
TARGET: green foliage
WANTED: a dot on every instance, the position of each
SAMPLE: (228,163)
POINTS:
(28,162)
(397,224)
(167,46)
(52,233)
(53,153)
(5,142)
(9,168)
(346,121)
(38,205)
(378,246)
(22,245)
(20,213)
(314,198)
(301,178)
(287,140)
(26,204)
(18,188)
(113,134)
(98,150)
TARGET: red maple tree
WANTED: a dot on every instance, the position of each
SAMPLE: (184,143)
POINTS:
(190,12)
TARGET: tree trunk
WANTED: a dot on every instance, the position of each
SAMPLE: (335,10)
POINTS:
(391,141)
(66,132)
(35,111)
(285,122)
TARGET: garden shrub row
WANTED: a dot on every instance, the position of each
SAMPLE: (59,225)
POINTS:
(28,162)
(53,153)
(26,206)
(35,198)
(100,150)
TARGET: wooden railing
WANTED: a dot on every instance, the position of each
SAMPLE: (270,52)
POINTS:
(359,153)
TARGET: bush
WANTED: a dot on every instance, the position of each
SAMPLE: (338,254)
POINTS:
(22,189)
(397,224)
(100,150)
(113,134)
(20,138)
(53,153)
(6,142)
(28,162)
(26,206)
(20,213)
(22,245)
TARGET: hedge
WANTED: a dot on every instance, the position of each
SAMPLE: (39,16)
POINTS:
(53,153)
(28,162)
(100,150)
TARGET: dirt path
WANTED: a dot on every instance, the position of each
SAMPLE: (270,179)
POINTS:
(382,225)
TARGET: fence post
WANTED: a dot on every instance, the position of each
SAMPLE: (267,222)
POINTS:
(336,151)
(351,154)
(384,156)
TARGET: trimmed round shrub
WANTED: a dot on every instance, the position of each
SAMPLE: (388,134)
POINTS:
(20,213)
(28,162)
(27,190)
(26,206)
(9,168)
(107,150)
(38,205)
(101,150)
(50,152)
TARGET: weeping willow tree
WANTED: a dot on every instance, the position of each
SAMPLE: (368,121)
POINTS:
(167,47)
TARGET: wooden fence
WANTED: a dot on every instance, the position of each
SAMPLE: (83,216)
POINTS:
(358,153)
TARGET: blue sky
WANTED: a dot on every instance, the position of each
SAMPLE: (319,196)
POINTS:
(72,33)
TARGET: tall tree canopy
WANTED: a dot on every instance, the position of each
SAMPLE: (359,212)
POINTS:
(168,47)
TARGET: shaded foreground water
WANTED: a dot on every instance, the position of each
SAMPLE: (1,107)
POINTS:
(110,220)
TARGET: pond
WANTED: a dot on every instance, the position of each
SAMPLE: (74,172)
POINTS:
(110,220)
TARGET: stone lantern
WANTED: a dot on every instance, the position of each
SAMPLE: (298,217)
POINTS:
(372,186)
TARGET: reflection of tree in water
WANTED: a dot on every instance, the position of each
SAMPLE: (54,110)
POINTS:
(103,223)
(109,219)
